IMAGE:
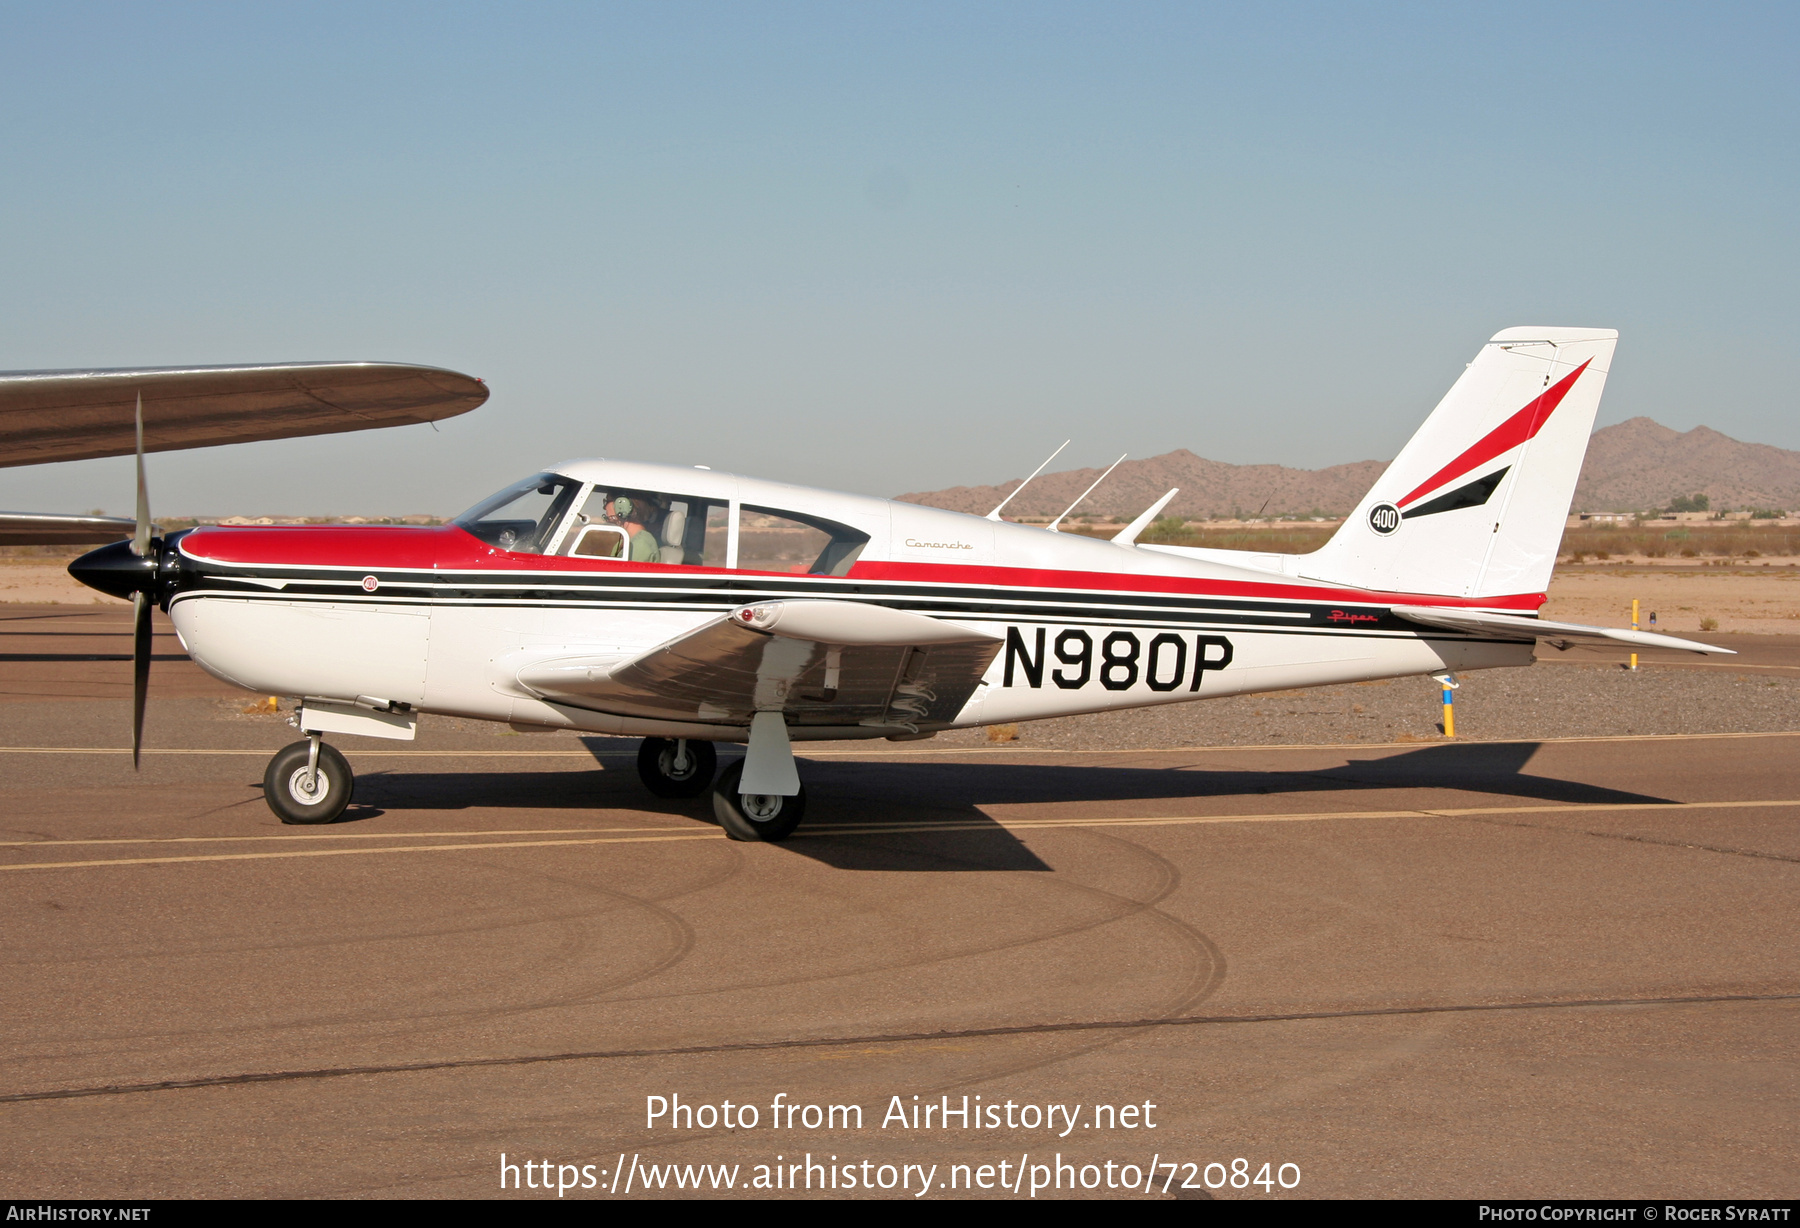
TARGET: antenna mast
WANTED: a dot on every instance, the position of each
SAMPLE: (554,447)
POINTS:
(1085,494)
(1128,535)
(995,514)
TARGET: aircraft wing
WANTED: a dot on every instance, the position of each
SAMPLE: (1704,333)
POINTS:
(75,415)
(820,662)
(1512,627)
(44,529)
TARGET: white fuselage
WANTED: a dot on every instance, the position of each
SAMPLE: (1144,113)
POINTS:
(440,622)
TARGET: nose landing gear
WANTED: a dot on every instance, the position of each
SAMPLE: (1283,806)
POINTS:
(308,782)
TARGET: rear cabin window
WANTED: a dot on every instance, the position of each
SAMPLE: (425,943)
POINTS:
(773,540)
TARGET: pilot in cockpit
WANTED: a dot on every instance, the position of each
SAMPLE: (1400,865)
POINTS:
(634,516)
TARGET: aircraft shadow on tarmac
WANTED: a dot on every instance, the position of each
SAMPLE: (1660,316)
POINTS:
(851,794)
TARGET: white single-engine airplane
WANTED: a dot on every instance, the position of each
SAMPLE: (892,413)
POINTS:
(688,607)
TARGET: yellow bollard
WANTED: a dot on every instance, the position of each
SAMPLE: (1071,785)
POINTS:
(1634,627)
(1447,680)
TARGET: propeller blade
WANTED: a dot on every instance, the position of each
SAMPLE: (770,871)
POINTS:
(140,540)
(140,671)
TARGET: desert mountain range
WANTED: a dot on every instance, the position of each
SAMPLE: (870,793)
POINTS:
(1635,465)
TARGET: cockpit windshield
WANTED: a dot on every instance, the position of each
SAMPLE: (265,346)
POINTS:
(522,517)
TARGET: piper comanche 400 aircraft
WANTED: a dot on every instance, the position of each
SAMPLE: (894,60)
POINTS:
(688,607)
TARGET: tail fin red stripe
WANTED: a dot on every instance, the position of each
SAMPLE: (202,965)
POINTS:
(1510,434)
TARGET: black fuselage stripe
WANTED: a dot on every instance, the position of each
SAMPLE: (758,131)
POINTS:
(738,588)
(1195,622)
(961,598)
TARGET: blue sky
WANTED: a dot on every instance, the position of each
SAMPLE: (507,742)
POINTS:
(889,247)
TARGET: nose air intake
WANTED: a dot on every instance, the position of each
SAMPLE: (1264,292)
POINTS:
(116,570)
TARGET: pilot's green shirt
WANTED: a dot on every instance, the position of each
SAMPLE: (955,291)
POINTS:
(644,548)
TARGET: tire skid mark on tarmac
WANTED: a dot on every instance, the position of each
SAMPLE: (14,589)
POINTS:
(754,1046)
(871,753)
(598,990)
(1636,839)
(444,930)
(1205,966)
(671,921)
(828,831)
(1117,908)
(1205,974)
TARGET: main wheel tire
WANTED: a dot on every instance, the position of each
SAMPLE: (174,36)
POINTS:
(657,768)
(284,784)
(765,817)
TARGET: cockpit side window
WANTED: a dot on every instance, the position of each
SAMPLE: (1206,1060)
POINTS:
(648,526)
(773,540)
(523,517)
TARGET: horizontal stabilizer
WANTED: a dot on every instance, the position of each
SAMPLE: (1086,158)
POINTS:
(1511,626)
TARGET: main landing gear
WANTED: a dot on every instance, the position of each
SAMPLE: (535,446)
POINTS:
(767,806)
(755,816)
(308,782)
(676,767)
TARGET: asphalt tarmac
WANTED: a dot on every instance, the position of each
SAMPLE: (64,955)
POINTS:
(1523,969)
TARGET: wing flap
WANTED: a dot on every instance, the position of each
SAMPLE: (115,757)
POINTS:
(725,670)
(1513,627)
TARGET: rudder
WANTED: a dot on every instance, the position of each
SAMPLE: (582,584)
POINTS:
(1475,504)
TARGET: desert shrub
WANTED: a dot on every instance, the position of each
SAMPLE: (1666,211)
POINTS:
(1732,538)
(1274,541)
(1688,552)
(1709,624)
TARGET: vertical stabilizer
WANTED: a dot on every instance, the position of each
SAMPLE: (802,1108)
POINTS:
(1474,505)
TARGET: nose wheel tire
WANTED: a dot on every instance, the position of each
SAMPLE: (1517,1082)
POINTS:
(671,767)
(754,816)
(299,795)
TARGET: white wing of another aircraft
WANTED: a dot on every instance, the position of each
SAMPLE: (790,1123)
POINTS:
(50,416)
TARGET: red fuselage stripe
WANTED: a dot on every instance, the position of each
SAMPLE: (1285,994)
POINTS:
(449,549)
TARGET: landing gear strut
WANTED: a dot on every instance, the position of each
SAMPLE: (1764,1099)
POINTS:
(755,816)
(760,796)
(676,767)
(308,782)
